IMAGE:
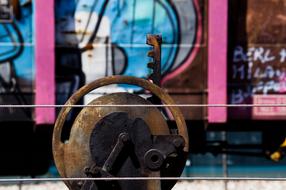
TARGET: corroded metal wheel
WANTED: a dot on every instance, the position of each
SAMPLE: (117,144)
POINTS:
(72,157)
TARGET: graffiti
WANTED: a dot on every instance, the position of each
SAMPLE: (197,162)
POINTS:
(247,71)
(95,39)
(16,56)
(253,54)
(257,70)
(109,36)
(5,11)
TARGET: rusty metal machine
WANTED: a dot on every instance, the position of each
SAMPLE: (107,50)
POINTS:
(122,141)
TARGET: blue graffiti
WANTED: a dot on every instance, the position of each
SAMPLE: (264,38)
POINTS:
(130,21)
(16,43)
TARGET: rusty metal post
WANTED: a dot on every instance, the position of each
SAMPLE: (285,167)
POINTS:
(155,41)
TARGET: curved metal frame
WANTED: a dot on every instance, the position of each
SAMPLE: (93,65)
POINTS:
(166,99)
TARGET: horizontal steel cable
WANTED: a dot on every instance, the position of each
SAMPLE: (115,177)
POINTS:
(139,105)
(7,44)
(143,178)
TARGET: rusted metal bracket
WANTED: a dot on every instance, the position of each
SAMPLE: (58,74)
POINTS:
(155,53)
(92,151)
(148,153)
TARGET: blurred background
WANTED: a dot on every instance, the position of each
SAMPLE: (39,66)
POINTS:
(213,52)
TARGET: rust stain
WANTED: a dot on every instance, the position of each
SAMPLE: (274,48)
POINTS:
(72,157)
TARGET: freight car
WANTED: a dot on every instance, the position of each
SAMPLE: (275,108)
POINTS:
(213,52)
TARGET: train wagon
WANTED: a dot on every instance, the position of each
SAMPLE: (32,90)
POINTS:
(220,60)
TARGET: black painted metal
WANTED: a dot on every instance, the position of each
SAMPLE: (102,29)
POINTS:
(122,147)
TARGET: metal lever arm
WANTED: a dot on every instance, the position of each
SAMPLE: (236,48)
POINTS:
(121,142)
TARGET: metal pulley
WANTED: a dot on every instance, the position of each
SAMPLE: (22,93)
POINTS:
(120,141)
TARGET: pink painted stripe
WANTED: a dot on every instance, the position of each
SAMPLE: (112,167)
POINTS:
(45,60)
(217,59)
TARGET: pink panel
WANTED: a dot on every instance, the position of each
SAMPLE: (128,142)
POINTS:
(217,60)
(45,60)
(273,113)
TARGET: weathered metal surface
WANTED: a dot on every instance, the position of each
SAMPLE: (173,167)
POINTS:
(76,153)
(217,60)
(69,162)
(272,113)
(45,84)
(121,146)
(155,53)
(16,59)
(155,41)
(6,12)
(162,147)
(257,54)
(192,76)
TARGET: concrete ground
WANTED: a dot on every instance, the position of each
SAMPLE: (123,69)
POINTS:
(185,185)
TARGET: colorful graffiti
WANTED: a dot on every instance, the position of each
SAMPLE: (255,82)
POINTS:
(16,57)
(256,66)
(108,37)
(95,39)
(257,70)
